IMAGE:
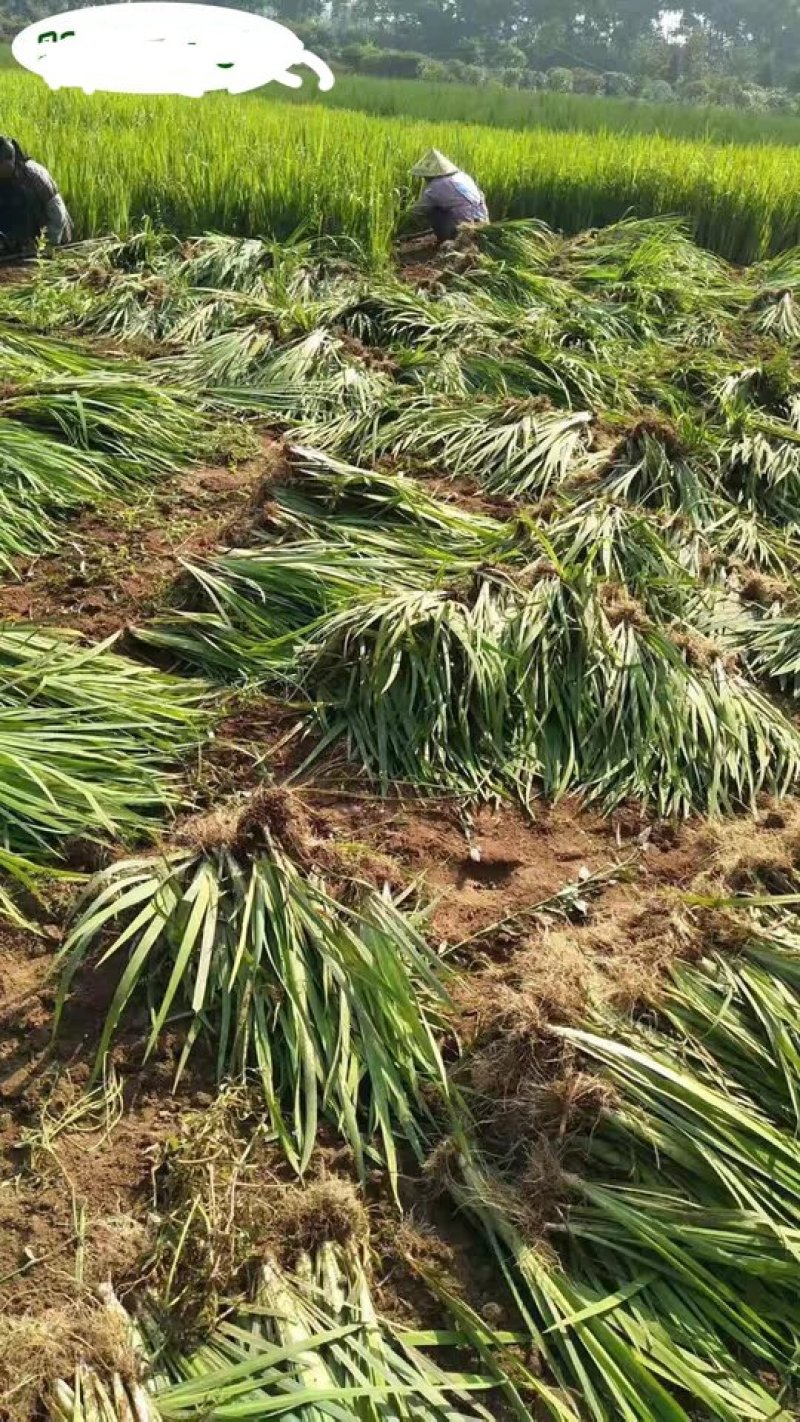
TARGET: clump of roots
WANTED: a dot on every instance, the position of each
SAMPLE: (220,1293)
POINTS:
(36,1350)
(701,653)
(271,816)
(620,607)
(765,591)
(327,1211)
(275,818)
(659,432)
(224,1205)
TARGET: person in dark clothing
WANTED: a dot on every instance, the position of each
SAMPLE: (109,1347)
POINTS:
(30,203)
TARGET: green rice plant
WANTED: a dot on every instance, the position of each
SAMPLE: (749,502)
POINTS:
(759,391)
(77,782)
(281,591)
(691,1327)
(512,369)
(91,294)
(534,291)
(226,263)
(342,171)
(706,1214)
(517,1383)
(71,434)
(565,113)
(317,354)
(695,1118)
(203,314)
(158,290)
(21,875)
(454,373)
(573,378)
(41,667)
(28,356)
(76,785)
(332,1008)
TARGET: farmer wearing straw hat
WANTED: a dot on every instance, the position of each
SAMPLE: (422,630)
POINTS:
(449,198)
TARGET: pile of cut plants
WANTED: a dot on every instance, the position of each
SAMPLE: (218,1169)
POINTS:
(400,954)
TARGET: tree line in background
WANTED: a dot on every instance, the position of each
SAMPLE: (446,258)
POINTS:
(740,52)
(712,88)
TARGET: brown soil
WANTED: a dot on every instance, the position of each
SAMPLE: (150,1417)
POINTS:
(75,1215)
(13,274)
(476,869)
(120,561)
(619,954)
(417,261)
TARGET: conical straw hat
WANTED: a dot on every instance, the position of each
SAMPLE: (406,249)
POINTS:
(433,165)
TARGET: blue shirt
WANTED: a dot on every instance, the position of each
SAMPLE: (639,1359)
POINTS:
(458,195)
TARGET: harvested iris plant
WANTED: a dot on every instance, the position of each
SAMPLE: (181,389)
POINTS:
(333,1007)
(488,657)
(89,746)
(311,1345)
(663,1283)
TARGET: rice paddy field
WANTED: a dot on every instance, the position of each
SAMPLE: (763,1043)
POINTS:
(266,167)
(399,759)
(567,113)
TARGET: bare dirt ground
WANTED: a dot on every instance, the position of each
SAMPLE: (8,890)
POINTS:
(120,561)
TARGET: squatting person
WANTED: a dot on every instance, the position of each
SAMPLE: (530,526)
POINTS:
(450,198)
(30,203)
